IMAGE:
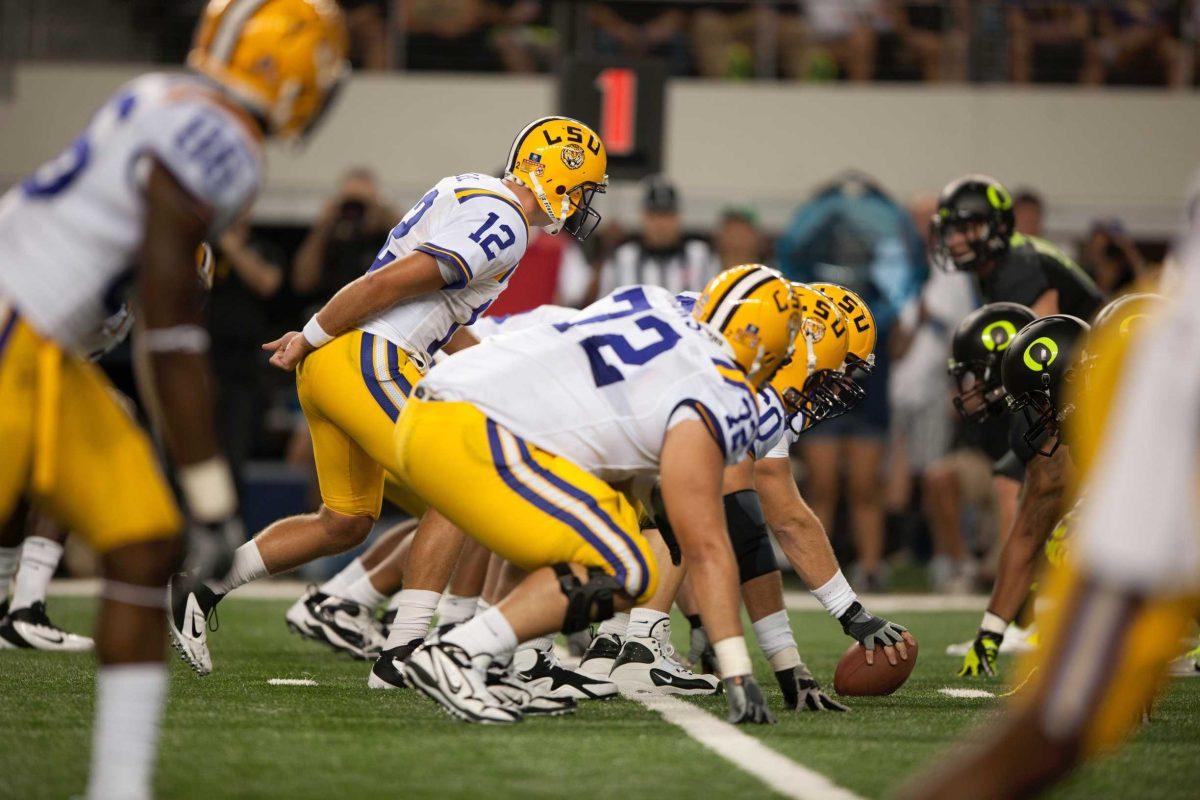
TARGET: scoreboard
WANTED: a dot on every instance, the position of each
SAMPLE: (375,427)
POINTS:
(622,99)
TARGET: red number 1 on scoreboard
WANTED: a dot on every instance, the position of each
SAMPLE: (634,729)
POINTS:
(618,109)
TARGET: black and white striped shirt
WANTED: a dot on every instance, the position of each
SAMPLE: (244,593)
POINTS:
(687,267)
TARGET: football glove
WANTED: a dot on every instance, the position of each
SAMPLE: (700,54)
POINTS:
(801,692)
(870,630)
(701,656)
(746,701)
(210,547)
(981,658)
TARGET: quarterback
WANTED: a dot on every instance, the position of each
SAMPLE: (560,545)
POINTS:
(359,357)
(167,162)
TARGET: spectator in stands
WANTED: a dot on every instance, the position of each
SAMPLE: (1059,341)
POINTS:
(1138,43)
(661,255)
(1048,41)
(523,37)
(840,38)
(853,234)
(725,37)
(1112,258)
(247,273)
(923,421)
(344,240)
(449,35)
(643,29)
(931,34)
(367,24)
(1029,212)
(738,238)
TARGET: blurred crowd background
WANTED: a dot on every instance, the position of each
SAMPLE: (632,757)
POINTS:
(900,483)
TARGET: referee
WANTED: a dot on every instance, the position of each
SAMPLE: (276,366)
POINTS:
(660,255)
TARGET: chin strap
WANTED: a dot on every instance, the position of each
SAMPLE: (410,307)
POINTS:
(548,207)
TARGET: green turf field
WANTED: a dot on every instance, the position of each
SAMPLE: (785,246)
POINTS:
(233,735)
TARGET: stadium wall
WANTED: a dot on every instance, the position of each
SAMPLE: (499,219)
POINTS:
(1091,153)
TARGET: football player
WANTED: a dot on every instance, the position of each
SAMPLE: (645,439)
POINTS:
(1131,585)
(547,423)
(360,355)
(170,160)
(812,387)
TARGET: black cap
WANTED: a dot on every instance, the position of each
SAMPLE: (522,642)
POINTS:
(661,196)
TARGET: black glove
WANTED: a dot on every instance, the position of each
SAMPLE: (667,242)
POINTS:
(868,630)
(210,547)
(801,692)
(746,701)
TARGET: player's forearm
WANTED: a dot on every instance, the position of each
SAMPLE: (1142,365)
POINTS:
(377,291)
(1041,505)
(796,528)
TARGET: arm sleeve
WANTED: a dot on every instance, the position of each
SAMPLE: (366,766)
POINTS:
(484,238)
(209,154)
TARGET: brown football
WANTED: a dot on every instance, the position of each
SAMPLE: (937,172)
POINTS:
(855,678)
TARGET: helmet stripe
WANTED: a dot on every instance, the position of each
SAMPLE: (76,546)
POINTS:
(520,140)
(229,28)
(725,310)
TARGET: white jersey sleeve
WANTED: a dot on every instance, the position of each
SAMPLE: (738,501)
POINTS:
(773,435)
(486,327)
(476,240)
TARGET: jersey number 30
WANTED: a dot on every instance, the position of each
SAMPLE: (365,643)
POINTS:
(605,373)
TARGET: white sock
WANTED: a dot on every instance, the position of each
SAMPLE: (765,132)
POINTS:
(362,592)
(129,704)
(39,560)
(455,609)
(775,639)
(9,557)
(616,624)
(343,580)
(481,606)
(488,633)
(414,610)
(394,601)
(543,643)
(247,566)
(646,622)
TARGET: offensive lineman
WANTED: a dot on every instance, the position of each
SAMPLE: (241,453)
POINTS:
(167,162)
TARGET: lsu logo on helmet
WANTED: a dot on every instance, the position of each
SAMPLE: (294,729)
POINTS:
(564,163)
(283,59)
(754,309)
(806,383)
(860,324)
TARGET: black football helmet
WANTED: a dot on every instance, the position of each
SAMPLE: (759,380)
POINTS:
(1037,366)
(975,351)
(964,205)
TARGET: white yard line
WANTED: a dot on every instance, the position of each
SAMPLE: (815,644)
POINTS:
(951,691)
(291,681)
(795,601)
(744,751)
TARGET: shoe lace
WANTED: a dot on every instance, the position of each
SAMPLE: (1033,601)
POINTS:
(211,619)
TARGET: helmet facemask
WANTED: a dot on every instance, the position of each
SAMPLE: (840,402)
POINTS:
(1043,420)
(983,242)
(980,393)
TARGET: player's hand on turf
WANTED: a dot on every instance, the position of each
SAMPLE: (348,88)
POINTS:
(981,658)
(288,350)
(871,631)
(210,547)
(746,701)
(801,692)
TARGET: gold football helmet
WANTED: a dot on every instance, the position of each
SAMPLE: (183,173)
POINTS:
(860,324)
(754,309)
(283,59)
(806,383)
(564,163)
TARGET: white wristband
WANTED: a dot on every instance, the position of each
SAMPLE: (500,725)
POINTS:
(733,658)
(835,595)
(315,334)
(993,623)
(208,490)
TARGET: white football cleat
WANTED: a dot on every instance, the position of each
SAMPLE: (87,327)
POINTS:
(1016,640)
(598,659)
(444,673)
(530,700)
(648,666)
(542,672)
(30,628)
(188,622)
(342,624)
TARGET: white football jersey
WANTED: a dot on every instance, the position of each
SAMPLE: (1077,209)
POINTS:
(602,388)
(475,228)
(486,327)
(69,233)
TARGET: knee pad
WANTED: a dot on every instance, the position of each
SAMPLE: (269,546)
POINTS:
(587,601)
(748,534)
